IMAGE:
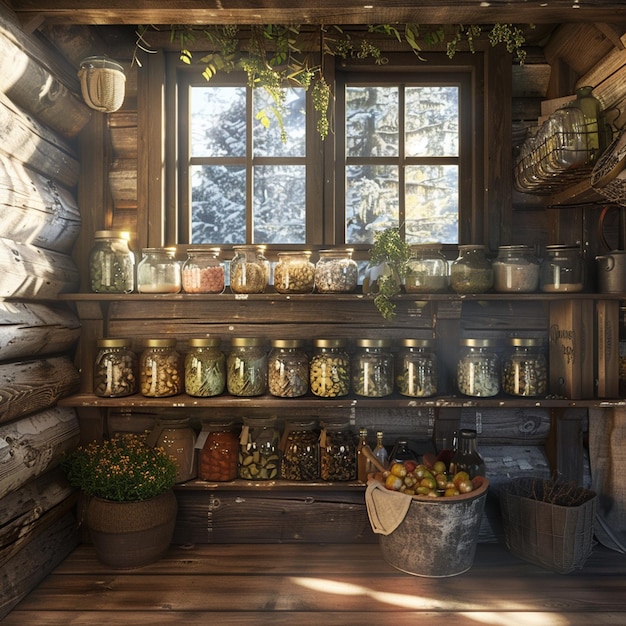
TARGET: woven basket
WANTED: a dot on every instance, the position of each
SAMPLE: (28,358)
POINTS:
(608,177)
(102,83)
(558,538)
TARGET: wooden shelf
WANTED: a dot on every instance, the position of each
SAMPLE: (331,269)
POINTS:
(269,485)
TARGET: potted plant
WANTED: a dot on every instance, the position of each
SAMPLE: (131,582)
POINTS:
(130,506)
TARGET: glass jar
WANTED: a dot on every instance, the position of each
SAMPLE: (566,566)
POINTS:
(516,270)
(249,271)
(111,263)
(466,457)
(427,269)
(205,368)
(562,269)
(294,273)
(329,370)
(478,368)
(288,369)
(300,451)
(336,272)
(246,367)
(337,452)
(177,437)
(203,271)
(115,369)
(417,368)
(372,368)
(259,449)
(471,272)
(525,369)
(160,369)
(219,454)
(158,271)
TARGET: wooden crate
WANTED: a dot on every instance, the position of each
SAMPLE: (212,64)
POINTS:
(607,348)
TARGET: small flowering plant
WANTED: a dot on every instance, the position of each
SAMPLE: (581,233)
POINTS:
(123,469)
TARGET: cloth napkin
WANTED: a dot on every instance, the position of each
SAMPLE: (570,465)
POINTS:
(385,508)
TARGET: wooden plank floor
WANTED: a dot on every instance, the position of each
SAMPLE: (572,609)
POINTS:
(327,584)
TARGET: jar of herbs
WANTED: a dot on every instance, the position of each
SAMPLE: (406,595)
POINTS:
(417,373)
(516,270)
(178,438)
(562,269)
(158,271)
(294,273)
(249,271)
(202,271)
(329,369)
(478,368)
(115,369)
(427,269)
(471,271)
(373,368)
(246,367)
(259,449)
(336,272)
(337,452)
(111,263)
(205,368)
(288,368)
(219,452)
(525,369)
(160,369)
(300,451)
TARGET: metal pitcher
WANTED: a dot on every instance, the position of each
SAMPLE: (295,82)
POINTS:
(611,269)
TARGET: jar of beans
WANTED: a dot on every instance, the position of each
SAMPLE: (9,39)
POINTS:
(294,273)
(259,449)
(478,368)
(158,271)
(178,438)
(337,452)
(111,263)
(249,270)
(336,272)
(160,369)
(246,367)
(329,369)
(300,451)
(203,271)
(525,370)
(219,452)
(416,375)
(115,369)
(205,368)
(288,368)
(373,368)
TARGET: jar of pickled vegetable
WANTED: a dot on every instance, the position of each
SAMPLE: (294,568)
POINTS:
(219,452)
(372,368)
(427,269)
(294,273)
(471,272)
(205,368)
(178,438)
(246,367)
(288,368)
(115,369)
(160,369)
(203,271)
(111,263)
(337,452)
(259,449)
(249,271)
(525,370)
(478,368)
(336,272)
(300,451)
(416,375)
(329,369)
(158,271)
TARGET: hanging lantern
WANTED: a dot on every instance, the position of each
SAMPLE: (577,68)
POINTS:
(102,83)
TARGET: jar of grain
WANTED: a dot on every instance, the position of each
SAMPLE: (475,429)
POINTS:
(219,455)
(259,449)
(111,263)
(337,452)
(478,368)
(246,367)
(115,369)
(158,271)
(516,270)
(205,368)
(294,273)
(471,272)
(329,370)
(288,368)
(160,369)
(525,369)
(300,451)
(336,272)
(372,368)
(562,269)
(203,271)
(178,438)
(416,375)
(427,269)
(249,270)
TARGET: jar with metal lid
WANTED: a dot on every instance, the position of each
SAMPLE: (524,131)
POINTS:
(158,271)
(336,272)
(288,368)
(249,270)
(478,368)
(160,369)
(516,269)
(525,369)
(115,369)
(562,269)
(417,372)
(427,269)
(329,369)
(259,449)
(202,271)
(300,451)
(372,368)
(205,368)
(294,273)
(337,452)
(178,438)
(111,263)
(219,452)
(471,271)
(246,367)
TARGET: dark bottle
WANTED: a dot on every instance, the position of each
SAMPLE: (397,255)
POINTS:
(466,457)
(401,452)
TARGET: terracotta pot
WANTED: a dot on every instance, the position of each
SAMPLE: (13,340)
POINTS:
(126,535)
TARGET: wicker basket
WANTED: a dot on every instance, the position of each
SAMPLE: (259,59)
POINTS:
(102,83)
(556,537)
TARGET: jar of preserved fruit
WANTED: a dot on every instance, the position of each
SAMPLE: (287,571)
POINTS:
(203,271)
(160,369)
(219,452)
(516,270)
(115,369)
(300,451)
(471,272)
(417,372)
(259,449)
(427,269)
(288,368)
(372,368)
(158,271)
(178,438)
(111,263)
(249,271)
(562,269)
(246,367)
(329,370)
(337,452)
(205,368)
(525,370)
(294,273)
(478,368)
(336,272)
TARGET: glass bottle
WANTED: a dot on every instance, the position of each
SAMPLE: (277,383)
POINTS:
(336,272)
(478,368)
(516,270)
(427,269)
(329,369)
(416,375)
(115,369)
(160,369)
(205,368)
(249,272)
(259,449)
(288,368)
(294,273)
(337,452)
(525,370)
(111,263)
(246,367)
(219,455)
(372,368)
(300,451)
(562,269)
(466,457)
(178,438)
(471,271)
(158,271)
(380,452)
(401,452)
(365,467)
(597,139)
(202,271)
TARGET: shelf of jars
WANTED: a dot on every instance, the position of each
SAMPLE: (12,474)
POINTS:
(239,484)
